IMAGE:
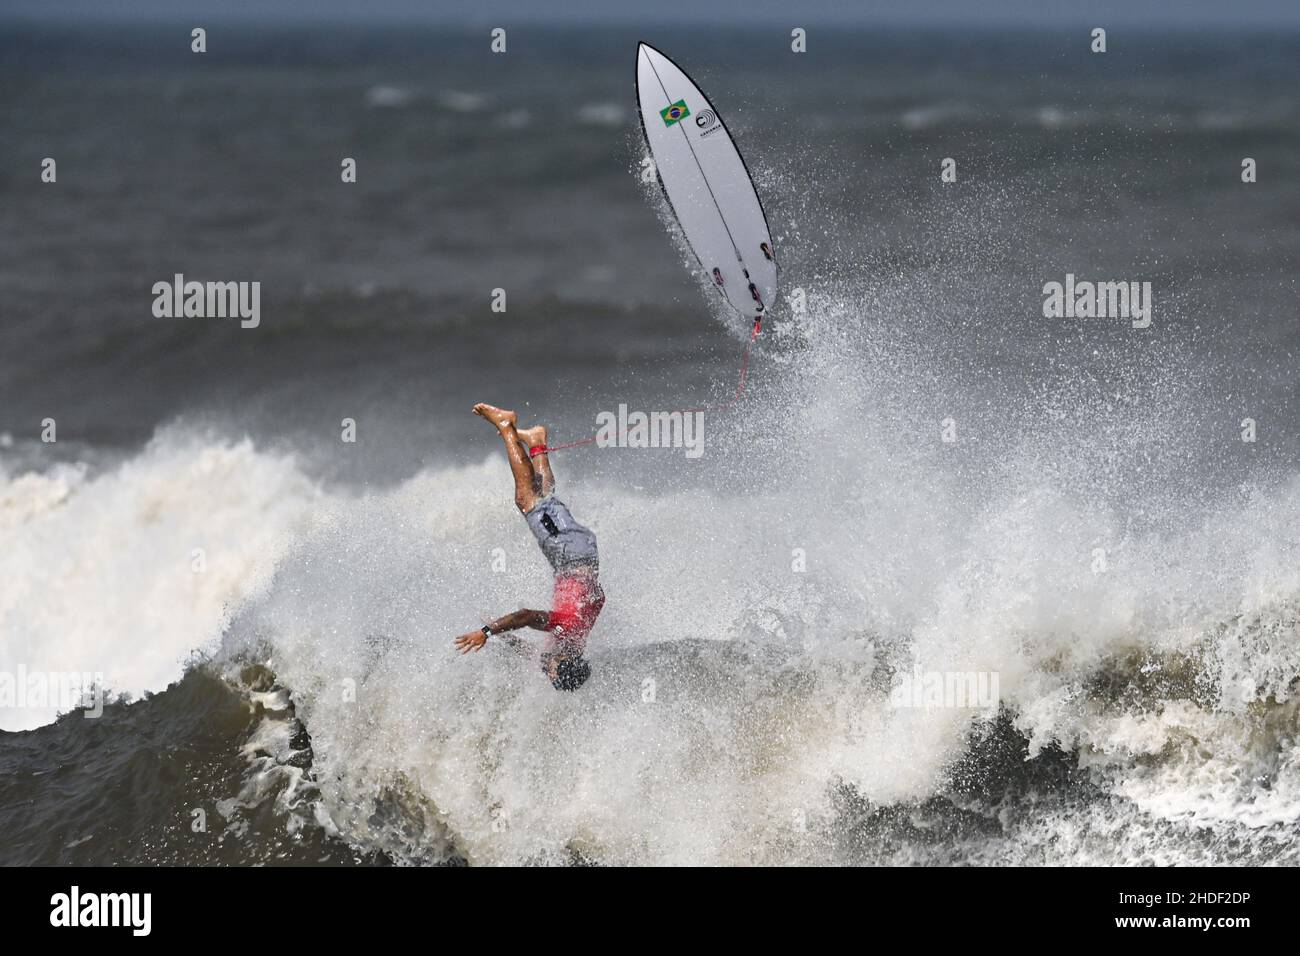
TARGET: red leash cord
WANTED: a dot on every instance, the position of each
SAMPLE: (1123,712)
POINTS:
(740,390)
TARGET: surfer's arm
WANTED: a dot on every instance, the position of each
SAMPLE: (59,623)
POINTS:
(511,622)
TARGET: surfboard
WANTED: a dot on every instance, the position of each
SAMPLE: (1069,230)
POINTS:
(707,183)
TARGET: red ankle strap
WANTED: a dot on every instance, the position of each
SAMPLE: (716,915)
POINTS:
(537,450)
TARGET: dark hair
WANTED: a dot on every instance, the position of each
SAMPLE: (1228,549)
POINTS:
(570,673)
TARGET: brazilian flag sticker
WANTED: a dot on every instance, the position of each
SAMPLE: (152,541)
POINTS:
(675,113)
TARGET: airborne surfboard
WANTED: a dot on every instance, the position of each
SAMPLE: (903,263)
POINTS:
(707,184)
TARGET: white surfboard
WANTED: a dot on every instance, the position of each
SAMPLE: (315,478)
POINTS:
(707,183)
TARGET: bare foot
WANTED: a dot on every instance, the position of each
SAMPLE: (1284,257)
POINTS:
(499,417)
(532,437)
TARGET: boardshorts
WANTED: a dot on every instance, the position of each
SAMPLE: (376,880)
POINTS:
(566,544)
(570,549)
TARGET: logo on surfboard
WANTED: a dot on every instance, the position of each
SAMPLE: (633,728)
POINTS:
(708,122)
(674,114)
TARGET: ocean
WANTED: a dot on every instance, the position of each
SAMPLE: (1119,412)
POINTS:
(1099,523)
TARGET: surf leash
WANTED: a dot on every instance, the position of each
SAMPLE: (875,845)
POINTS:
(726,407)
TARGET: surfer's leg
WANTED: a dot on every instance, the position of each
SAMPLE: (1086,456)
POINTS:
(535,437)
(521,467)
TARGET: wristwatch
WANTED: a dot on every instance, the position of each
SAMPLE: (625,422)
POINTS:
(487,631)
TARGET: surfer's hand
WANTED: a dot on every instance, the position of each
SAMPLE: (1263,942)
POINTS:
(471,641)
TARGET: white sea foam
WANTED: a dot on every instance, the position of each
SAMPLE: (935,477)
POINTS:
(731,695)
(461,101)
(742,663)
(601,114)
(97,571)
(387,97)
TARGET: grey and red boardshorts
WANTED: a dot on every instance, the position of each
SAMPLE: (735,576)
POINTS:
(570,549)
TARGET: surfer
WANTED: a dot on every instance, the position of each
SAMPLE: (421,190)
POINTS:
(569,548)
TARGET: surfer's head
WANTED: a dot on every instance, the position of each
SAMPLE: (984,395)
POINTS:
(566,671)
